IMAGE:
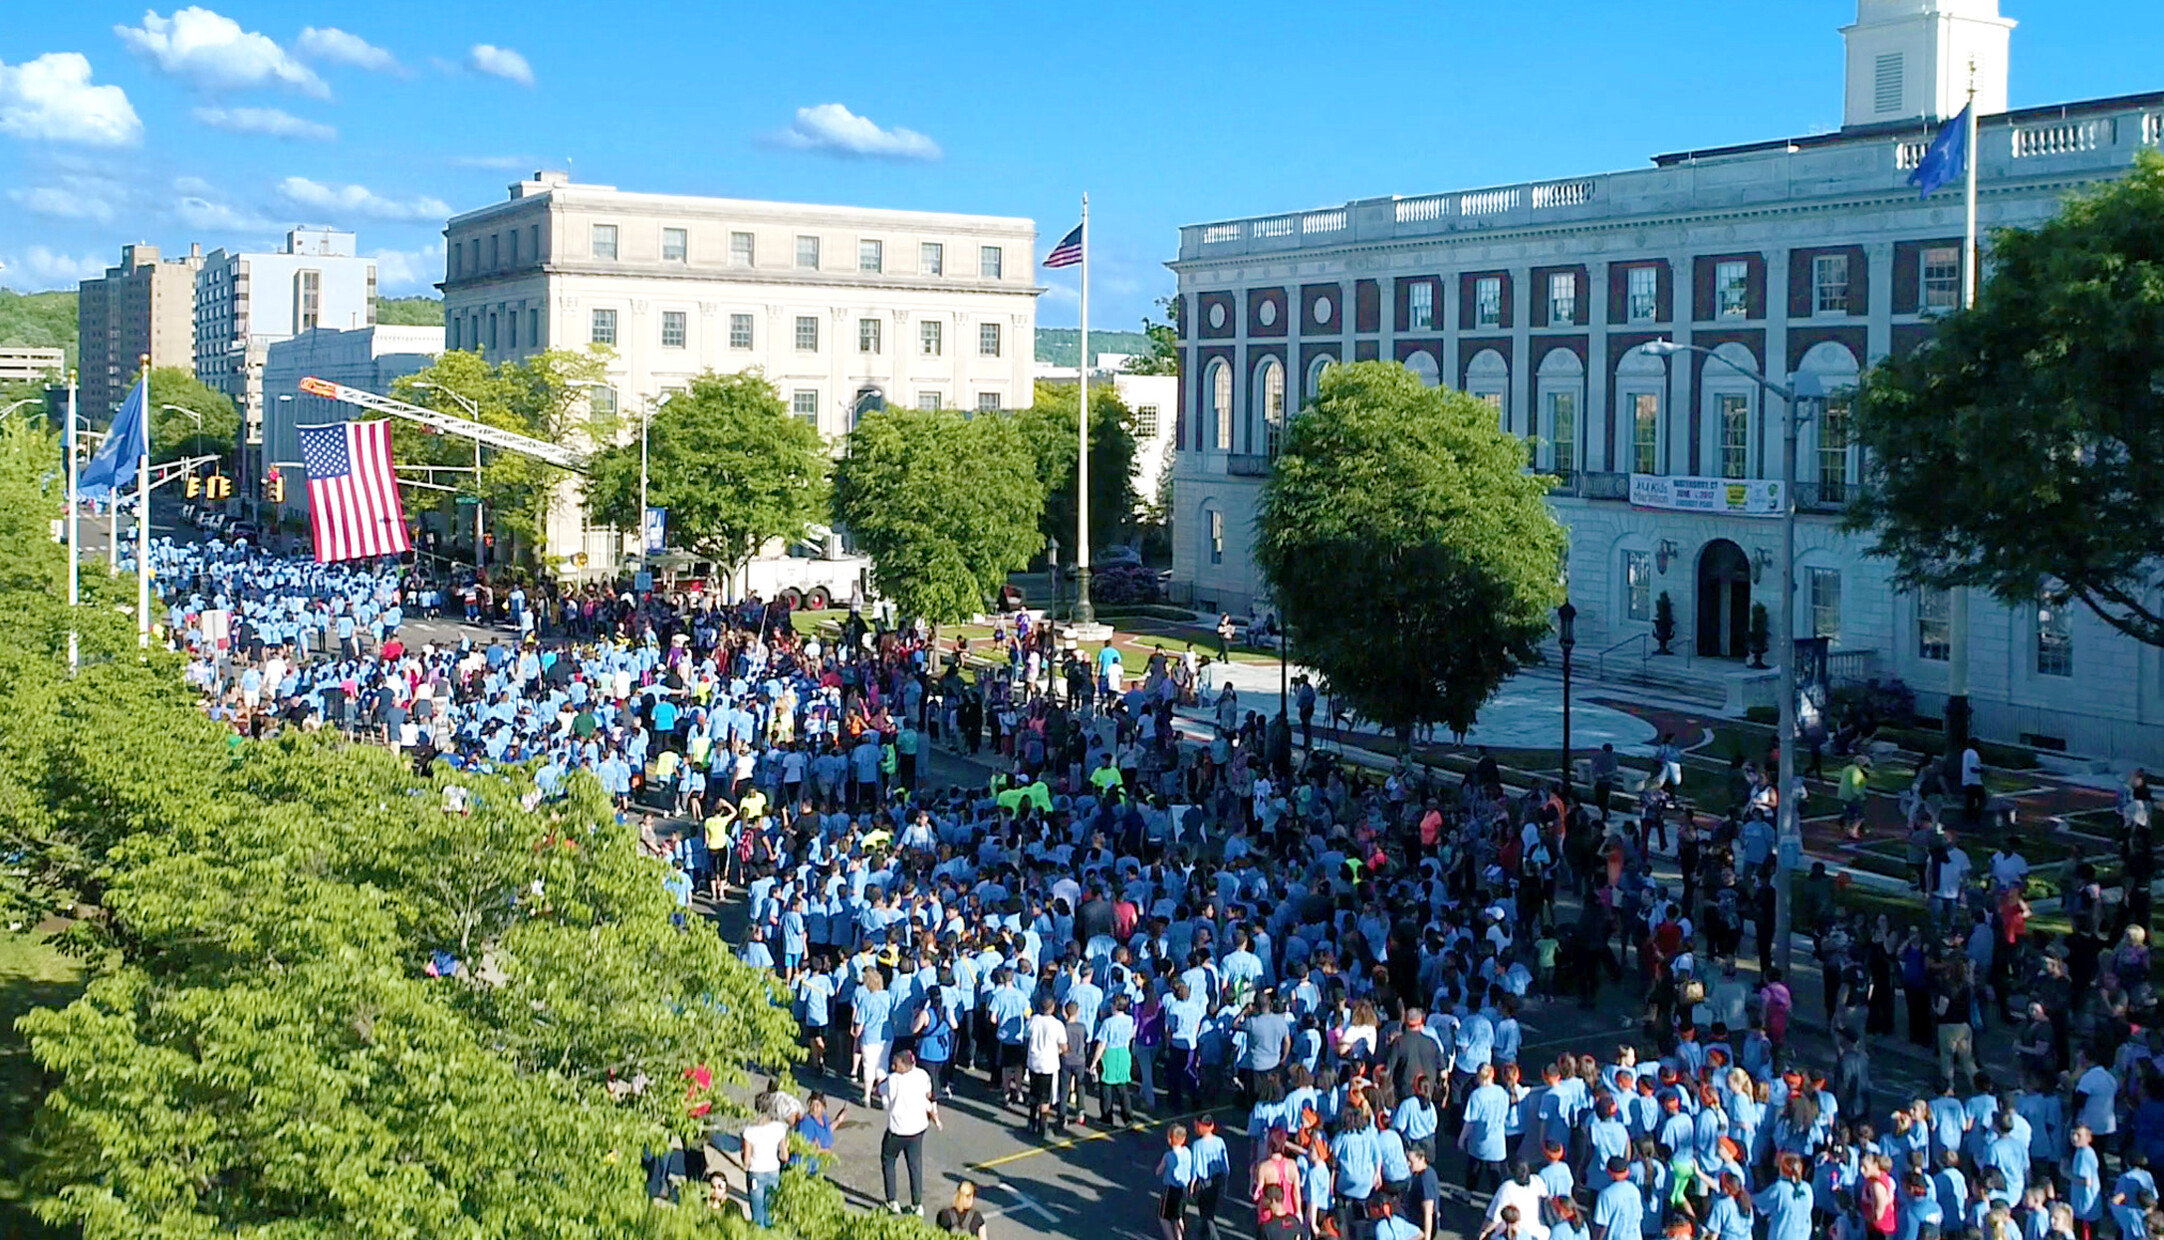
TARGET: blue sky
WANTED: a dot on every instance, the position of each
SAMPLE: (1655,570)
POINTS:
(225,125)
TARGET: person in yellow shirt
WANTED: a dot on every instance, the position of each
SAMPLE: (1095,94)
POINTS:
(717,846)
(1107,776)
(1853,787)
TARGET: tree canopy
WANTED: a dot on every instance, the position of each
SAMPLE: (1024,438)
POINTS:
(2021,451)
(944,504)
(174,435)
(1163,357)
(734,467)
(421,311)
(1412,557)
(1050,424)
(41,320)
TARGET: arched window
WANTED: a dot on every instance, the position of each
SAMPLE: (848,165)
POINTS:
(1220,380)
(1270,389)
(1422,364)
(1315,371)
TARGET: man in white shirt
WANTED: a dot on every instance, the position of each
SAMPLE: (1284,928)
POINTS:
(2008,867)
(1952,876)
(1972,784)
(907,1095)
(2096,1091)
(1044,1040)
(1524,1191)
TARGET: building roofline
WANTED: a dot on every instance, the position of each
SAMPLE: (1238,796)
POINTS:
(1919,125)
(600,194)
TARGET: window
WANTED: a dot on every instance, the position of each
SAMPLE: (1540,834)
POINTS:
(1825,586)
(672,329)
(807,334)
(988,340)
(1932,638)
(1488,301)
(533,326)
(1420,306)
(739,331)
(1732,413)
(1273,406)
(309,311)
(989,260)
(495,249)
(675,247)
(1732,290)
(1563,297)
(1217,537)
(1833,439)
(513,316)
(513,255)
(476,264)
(931,261)
(2054,639)
(1563,430)
(988,402)
(1221,404)
(1646,433)
(931,337)
(605,241)
(604,331)
(455,323)
(1638,585)
(807,253)
(928,401)
(1942,277)
(1829,284)
(1644,294)
(867,335)
(871,257)
(743,251)
(601,401)
(492,329)
(1146,422)
(534,233)
(1888,72)
(804,403)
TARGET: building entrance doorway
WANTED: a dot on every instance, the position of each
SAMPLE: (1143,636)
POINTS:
(1724,600)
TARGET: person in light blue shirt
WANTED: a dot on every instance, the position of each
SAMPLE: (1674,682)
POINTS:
(1619,1209)
(1484,1137)
(1359,1167)
(1731,1214)
(1415,1119)
(2084,1176)
(1786,1203)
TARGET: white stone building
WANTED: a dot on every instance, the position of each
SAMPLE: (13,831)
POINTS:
(1797,254)
(1154,400)
(839,307)
(245,303)
(368,358)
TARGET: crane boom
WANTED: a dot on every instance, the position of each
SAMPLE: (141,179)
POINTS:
(494,437)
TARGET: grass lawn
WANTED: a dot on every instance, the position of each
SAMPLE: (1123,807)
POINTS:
(32,975)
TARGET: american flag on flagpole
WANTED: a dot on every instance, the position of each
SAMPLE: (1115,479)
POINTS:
(353,507)
(1068,252)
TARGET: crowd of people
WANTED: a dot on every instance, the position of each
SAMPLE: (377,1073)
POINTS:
(1151,911)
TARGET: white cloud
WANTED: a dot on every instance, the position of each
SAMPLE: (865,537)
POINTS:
(494,163)
(337,46)
(50,99)
(271,121)
(408,271)
(360,201)
(210,50)
(63,204)
(205,215)
(500,62)
(192,185)
(832,128)
(38,268)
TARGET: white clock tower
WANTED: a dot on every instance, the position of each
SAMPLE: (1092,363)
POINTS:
(1909,60)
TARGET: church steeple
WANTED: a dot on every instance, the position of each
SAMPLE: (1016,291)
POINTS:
(1910,59)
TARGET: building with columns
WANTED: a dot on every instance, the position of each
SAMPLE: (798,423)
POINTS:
(1807,254)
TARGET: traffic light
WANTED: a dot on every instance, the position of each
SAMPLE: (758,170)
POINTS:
(277,487)
(195,486)
(218,486)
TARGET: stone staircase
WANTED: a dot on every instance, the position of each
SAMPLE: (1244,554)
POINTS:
(1710,684)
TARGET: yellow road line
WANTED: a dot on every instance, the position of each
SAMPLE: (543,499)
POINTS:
(1068,1143)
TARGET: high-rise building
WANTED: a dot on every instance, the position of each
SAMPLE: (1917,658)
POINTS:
(146,305)
(1808,254)
(841,307)
(245,302)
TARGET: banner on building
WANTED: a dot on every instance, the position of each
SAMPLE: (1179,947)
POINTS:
(1734,497)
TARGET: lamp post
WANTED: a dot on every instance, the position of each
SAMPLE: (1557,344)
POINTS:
(27,400)
(1802,386)
(1051,563)
(1566,636)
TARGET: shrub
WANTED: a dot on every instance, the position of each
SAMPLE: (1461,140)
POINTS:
(1123,583)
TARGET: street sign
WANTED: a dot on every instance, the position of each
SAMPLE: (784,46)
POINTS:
(642,581)
(468,501)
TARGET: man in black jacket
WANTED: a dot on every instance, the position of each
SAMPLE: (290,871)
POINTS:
(1413,1055)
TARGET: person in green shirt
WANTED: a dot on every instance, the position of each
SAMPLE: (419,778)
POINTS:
(1853,789)
(1107,776)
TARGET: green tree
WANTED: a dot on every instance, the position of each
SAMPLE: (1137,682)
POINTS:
(728,460)
(173,434)
(2021,451)
(945,505)
(1050,425)
(1412,556)
(1164,355)
(420,311)
(41,320)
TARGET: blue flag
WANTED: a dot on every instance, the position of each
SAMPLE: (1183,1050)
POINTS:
(122,452)
(1948,157)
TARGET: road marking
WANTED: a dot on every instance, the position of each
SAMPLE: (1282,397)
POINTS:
(1068,1143)
(1030,1203)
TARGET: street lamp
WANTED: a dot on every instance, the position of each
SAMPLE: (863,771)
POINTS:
(27,400)
(1802,386)
(480,509)
(1566,636)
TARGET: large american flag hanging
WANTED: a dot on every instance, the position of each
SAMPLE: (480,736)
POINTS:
(353,508)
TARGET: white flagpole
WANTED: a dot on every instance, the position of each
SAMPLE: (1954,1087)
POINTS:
(142,524)
(1957,599)
(1083,612)
(74,529)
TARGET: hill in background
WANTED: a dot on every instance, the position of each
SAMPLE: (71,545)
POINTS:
(41,320)
(410,311)
(1058,345)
